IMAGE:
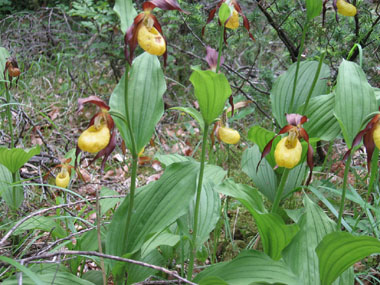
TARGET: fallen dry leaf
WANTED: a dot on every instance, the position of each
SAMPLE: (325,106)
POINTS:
(54,113)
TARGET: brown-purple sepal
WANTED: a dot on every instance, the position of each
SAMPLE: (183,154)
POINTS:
(93,100)
(164,5)
(105,153)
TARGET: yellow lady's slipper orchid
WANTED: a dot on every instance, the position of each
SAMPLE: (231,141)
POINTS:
(228,135)
(94,139)
(371,139)
(146,30)
(288,153)
(100,136)
(63,178)
(289,149)
(345,9)
(376,135)
(233,22)
(151,40)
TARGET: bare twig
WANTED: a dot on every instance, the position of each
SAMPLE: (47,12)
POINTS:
(281,33)
(112,257)
(37,131)
(192,32)
(225,66)
(249,97)
(40,212)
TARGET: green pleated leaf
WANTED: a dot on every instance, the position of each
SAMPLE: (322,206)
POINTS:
(5,179)
(43,274)
(145,104)
(249,267)
(377,95)
(12,193)
(194,113)
(30,274)
(126,12)
(53,277)
(209,204)
(93,276)
(212,281)
(261,137)
(168,159)
(176,188)
(89,240)
(322,122)
(296,176)
(4,54)
(245,194)
(354,99)
(340,250)
(137,273)
(275,234)
(212,90)
(281,93)
(300,255)
(264,179)
(107,204)
(163,238)
(313,8)
(15,158)
(47,224)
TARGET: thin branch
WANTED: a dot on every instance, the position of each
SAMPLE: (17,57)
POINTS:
(249,97)
(192,32)
(281,33)
(363,41)
(112,257)
(42,211)
(226,66)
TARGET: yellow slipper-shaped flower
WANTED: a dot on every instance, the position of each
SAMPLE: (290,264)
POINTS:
(228,135)
(62,179)
(94,139)
(288,154)
(376,135)
(151,40)
(233,22)
(346,9)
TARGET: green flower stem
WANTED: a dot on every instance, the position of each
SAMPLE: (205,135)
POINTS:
(298,65)
(134,155)
(220,47)
(14,178)
(9,115)
(374,172)
(197,202)
(346,170)
(280,190)
(316,76)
